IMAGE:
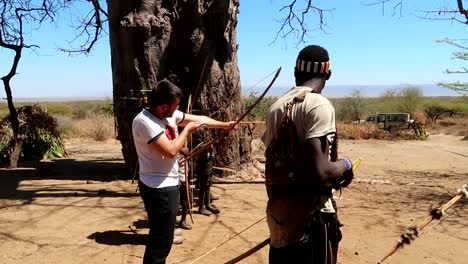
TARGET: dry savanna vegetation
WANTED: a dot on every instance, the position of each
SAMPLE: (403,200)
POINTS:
(93,120)
(87,120)
(433,115)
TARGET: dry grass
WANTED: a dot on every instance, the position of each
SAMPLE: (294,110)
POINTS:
(348,130)
(100,127)
(97,126)
(457,126)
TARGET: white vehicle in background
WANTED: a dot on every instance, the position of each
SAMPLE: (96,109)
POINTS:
(391,121)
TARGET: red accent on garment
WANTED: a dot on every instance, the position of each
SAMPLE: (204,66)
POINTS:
(170,132)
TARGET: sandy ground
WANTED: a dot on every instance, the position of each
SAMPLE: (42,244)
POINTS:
(78,210)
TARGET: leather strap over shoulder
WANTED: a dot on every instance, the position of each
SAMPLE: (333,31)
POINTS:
(301,96)
(283,153)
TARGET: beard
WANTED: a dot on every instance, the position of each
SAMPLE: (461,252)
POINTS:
(168,113)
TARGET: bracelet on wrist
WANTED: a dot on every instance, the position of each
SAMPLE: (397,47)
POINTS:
(349,165)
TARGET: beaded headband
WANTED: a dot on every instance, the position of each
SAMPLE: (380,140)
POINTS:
(312,67)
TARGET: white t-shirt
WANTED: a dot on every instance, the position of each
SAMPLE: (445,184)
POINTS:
(156,170)
(314,117)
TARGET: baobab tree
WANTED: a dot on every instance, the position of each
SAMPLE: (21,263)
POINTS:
(193,44)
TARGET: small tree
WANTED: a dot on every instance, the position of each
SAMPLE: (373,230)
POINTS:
(16,17)
(410,99)
(356,105)
(435,111)
(389,101)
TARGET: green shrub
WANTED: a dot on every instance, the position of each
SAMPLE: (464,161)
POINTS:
(58,109)
(108,109)
(261,109)
(39,130)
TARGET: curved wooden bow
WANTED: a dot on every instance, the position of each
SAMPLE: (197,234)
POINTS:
(202,147)
(186,164)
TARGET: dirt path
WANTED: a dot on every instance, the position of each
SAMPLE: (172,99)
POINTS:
(77,210)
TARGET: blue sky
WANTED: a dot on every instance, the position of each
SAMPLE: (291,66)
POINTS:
(366,48)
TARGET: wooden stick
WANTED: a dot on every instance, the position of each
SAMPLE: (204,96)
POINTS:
(249,252)
(213,249)
(224,169)
(187,192)
(461,194)
(252,122)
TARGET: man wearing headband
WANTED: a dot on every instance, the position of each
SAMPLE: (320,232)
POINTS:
(302,167)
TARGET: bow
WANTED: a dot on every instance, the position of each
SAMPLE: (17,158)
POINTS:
(202,147)
(245,91)
(186,164)
(189,194)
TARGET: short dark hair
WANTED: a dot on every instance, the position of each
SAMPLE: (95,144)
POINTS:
(165,92)
(312,62)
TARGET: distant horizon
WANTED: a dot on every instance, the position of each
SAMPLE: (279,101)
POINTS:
(332,91)
(343,90)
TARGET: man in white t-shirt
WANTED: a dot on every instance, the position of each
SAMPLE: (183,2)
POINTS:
(158,144)
(302,167)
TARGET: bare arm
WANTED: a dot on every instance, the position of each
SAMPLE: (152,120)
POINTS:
(206,121)
(172,148)
(325,171)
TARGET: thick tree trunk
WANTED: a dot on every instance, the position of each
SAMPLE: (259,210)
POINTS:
(192,43)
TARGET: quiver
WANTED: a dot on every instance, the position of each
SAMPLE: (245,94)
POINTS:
(284,159)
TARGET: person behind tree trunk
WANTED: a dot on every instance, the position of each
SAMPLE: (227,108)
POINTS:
(158,144)
(204,170)
(302,167)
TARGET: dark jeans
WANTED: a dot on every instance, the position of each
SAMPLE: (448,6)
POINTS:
(318,246)
(161,206)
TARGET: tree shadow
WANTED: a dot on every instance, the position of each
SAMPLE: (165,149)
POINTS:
(123,237)
(119,237)
(86,171)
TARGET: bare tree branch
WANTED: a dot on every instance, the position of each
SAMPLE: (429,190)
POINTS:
(14,16)
(462,10)
(295,20)
(398,6)
(90,29)
(443,13)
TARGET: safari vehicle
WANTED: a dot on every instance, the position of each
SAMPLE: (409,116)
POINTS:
(391,121)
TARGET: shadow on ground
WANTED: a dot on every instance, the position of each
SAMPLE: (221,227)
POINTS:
(123,237)
(87,171)
(119,237)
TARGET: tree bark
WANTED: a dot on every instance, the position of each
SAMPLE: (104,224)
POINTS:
(192,43)
(17,143)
